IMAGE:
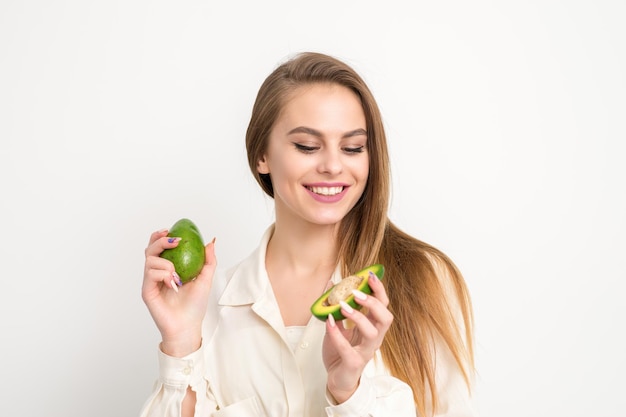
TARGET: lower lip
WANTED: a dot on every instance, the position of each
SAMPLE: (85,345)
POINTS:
(328,198)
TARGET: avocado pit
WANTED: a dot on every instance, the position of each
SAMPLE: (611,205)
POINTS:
(343,289)
(328,303)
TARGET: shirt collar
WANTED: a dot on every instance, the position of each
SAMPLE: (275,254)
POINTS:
(249,280)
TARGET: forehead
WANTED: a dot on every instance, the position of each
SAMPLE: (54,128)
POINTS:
(322,103)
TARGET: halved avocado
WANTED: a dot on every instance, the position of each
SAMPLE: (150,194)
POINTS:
(321,308)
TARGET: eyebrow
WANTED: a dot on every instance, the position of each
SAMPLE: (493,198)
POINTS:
(317,133)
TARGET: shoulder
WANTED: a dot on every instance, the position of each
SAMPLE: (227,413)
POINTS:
(444,269)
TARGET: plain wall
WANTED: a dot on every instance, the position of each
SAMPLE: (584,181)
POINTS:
(506,129)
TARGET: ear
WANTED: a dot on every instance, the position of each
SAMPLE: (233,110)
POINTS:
(262,167)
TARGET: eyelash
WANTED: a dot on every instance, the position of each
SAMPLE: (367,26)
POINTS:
(358,149)
(311,149)
(305,148)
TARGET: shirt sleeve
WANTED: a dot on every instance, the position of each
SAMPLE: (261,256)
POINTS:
(382,395)
(376,396)
(175,375)
(454,396)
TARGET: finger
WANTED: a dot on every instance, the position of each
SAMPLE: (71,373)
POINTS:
(156,235)
(337,337)
(355,318)
(155,280)
(160,271)
(374,309)
(156,262)
(210,264)
(352,361)
(155,277)
(378,289)
(160,244)
(210,258)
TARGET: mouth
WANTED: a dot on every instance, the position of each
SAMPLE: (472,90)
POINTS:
(326,191)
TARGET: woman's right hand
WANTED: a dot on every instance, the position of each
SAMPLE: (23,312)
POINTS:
(178,314)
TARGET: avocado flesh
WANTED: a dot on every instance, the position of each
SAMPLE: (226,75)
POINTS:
(189,256)
(321,309)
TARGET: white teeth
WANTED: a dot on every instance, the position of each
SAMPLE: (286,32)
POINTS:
(326,190)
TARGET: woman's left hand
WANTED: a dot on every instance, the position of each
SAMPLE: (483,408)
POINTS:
(346,351)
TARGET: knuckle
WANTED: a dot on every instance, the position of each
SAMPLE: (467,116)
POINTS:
(372,334)
(388,320)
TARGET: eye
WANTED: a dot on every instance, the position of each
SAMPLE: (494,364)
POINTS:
(305,148)
(357,149)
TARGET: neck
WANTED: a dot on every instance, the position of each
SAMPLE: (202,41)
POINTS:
(300,260)
(303,247)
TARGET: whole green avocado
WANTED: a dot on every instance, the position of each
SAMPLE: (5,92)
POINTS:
(189,256)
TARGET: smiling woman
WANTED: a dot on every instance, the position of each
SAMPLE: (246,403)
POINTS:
(243,341)
(316,155)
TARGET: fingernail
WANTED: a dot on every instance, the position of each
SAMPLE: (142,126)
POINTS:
(162,230)
(346,307)
(331,320)
(173,239)
(173,285)
(213,241)
(373,275)
(177,279)
(359,294)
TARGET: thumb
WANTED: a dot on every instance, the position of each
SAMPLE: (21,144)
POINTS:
(209,251)
(210,264)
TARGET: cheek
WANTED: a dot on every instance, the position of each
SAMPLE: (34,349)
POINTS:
(366,172)
(361,169)
(285,169)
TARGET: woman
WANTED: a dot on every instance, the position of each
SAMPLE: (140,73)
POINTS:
(244,343)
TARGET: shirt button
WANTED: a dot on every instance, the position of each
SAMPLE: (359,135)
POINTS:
(304,345)
(187,371)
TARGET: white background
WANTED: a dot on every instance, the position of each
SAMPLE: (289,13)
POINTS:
(506,129)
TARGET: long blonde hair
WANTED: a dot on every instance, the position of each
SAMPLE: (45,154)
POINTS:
(428,296)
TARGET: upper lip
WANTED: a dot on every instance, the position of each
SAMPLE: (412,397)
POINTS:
(326,184)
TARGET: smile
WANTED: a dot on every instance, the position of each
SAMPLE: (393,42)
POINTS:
(326,190)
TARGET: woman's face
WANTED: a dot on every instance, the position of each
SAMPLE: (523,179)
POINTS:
(317,156)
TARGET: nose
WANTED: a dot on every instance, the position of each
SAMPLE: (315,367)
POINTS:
(330,162)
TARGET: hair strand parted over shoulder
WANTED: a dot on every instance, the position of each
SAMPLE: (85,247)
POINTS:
(428,296)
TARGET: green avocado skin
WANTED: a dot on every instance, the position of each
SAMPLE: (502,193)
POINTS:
(189,256)
(319,310)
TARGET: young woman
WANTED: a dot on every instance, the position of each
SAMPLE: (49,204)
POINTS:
(243,342)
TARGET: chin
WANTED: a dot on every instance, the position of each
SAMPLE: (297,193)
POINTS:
(327,220)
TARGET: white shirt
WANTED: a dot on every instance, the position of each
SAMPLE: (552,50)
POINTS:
(250,365)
